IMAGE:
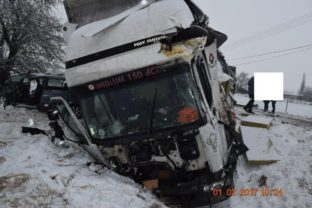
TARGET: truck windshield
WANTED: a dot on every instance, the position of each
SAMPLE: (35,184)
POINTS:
(88,11)
(166,101)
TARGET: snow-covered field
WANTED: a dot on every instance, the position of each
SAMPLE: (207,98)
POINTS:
(36,173)
(281,106)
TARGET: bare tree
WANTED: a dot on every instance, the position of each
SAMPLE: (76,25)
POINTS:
(30,36)
(302,86)
(242,82)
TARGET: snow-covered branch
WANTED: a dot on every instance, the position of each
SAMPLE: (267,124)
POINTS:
(30,36)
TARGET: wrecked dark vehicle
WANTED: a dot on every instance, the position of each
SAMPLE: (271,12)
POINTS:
(6,90)
(36,89)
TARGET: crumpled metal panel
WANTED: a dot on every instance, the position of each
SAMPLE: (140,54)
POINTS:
(82,12)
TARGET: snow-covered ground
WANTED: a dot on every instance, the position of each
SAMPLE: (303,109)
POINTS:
(292,175)
(292,140)
(36,173)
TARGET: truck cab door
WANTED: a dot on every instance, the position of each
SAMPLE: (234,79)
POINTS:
(213,128)
(77,128)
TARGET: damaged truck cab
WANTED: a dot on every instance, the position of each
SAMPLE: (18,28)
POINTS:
(154,96)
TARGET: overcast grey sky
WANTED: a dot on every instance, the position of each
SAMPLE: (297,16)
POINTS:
(243,18)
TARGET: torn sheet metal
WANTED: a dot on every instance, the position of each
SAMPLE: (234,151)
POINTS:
(185,49)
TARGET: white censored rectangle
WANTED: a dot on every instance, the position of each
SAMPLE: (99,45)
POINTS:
(269,86)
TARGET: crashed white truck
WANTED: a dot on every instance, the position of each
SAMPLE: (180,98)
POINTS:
(155,94)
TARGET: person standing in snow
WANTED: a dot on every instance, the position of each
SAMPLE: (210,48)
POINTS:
(266,105)
(249,105)
(273,105)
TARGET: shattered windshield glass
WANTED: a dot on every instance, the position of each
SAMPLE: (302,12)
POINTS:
(166,101)
(83,12)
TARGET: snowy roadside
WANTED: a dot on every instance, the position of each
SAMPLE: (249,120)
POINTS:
(35,173)
(292,141)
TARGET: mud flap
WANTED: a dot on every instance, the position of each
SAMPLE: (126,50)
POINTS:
(33,131)
(238,145)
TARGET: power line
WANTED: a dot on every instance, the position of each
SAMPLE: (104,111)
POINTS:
(277,29)
(274,57)
(272,31)
(271,52)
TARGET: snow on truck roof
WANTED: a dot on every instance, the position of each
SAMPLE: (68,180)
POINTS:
(83,12)
(139,25)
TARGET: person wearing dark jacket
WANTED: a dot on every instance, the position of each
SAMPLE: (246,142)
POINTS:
(249,105)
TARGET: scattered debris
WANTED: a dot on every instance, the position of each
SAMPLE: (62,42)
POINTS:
(33,131)
(13,181)
(260,144)
(53,177)
(97,167)
(257,121)
(262,181)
